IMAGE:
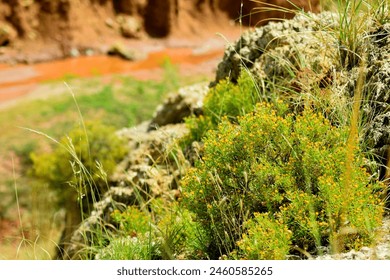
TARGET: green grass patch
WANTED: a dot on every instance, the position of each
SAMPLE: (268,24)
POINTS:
(120,102)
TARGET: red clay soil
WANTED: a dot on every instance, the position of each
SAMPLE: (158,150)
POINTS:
(17,81)
(57,26)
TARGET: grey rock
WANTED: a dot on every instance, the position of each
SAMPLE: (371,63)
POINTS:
(376,109)
(267,47)
(185,102)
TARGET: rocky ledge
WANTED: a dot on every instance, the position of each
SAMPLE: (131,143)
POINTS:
(154,166)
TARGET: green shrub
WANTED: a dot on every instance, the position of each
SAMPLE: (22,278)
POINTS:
(224,100)
(134,241)
(231,100)
(129,248)
(197,126)
(266,238)
(288,166)
(163,231)
(132,222)
(78,166)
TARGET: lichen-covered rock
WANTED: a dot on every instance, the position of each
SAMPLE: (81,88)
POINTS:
(148,170)
(303,55)
(376,129)
(178,105)
(272,49)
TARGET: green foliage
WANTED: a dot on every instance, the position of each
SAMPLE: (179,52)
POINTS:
(129,248)
(134,241)
(82,160)
(231,100)
(132,221)
(24,151)
(266,239)
(164,231)
(353,26)
(171,75)
(291,167)
(224,100)
(350,32)
(381,11)
(197,126)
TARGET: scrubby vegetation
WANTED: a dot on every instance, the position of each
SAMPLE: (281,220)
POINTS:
(291,169)
(283,168)
(78,167)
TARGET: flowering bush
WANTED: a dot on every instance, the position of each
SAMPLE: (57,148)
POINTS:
(290,167)
(265,238)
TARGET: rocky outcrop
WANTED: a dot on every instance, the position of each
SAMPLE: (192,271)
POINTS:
(376,130)
(271,50)
(151,166)
(151,169)
(187,101)
(303,58)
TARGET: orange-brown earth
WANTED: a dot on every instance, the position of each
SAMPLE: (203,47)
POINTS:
(18,81)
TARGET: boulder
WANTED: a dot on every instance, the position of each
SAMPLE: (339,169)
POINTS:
(181,104)
(148,169)
(376,129)
(120,50)
(268,50)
